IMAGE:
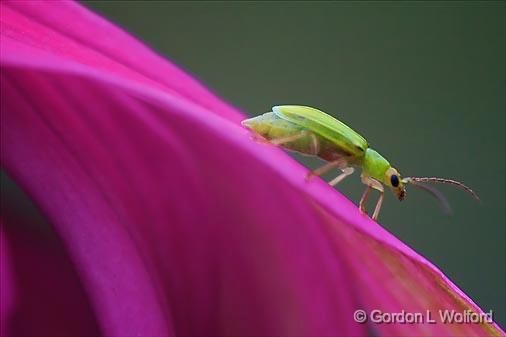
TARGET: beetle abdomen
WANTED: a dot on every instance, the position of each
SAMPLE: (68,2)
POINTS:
(271,127)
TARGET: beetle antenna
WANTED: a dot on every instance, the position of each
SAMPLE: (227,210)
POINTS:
(415,180)
(443,202)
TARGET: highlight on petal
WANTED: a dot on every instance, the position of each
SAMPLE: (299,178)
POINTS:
(175,221)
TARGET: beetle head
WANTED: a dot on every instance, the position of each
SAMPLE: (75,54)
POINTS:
(395,182)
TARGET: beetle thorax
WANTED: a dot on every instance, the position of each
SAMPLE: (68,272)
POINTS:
(374,165)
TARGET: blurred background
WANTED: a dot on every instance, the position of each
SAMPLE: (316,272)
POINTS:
(424,82)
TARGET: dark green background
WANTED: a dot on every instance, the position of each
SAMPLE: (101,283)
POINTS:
(424,82)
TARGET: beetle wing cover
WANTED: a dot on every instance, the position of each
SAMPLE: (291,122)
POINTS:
(325,126)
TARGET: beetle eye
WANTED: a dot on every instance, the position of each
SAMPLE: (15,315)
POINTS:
(394,180)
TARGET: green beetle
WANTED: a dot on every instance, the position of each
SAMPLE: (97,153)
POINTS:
(312,132)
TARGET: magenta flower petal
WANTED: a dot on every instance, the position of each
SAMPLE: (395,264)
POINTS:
(51,27)
(175,221)
(33,262)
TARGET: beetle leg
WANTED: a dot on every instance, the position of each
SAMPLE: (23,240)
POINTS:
(259,138)
(372,183)
(315,144)
(363,200)
(346,172)
(288,139)
(378,205)
(325,168)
